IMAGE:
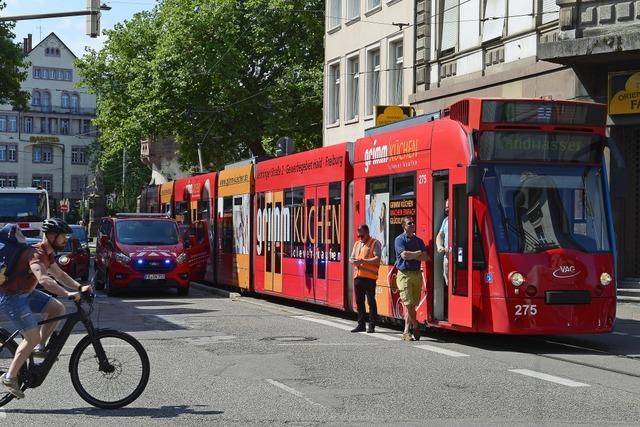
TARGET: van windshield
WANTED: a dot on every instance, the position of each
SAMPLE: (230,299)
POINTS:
(146,232)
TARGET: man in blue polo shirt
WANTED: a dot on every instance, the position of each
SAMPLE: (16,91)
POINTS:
(410,253)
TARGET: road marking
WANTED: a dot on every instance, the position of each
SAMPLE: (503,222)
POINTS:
(547,377)
(441,350)
(292,391)
(357,344)
(619,333)
(324,322)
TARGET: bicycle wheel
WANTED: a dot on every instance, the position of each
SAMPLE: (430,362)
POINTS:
(6,356)
(115,387)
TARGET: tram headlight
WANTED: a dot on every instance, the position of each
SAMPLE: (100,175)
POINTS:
(605,279)
(516,278)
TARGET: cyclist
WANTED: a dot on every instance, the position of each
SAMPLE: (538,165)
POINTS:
(19,299)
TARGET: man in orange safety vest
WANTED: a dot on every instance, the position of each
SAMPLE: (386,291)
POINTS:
(365,258)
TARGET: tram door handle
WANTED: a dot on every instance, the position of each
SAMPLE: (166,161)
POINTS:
(460,254)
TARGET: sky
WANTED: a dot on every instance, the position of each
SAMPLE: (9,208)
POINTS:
(71,30)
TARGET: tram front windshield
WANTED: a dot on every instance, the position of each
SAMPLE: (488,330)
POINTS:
(536,208)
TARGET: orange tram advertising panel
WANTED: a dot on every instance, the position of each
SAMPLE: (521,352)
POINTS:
(300,222)
(233,228)
(509,195)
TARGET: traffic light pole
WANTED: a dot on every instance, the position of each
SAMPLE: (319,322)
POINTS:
(48,15)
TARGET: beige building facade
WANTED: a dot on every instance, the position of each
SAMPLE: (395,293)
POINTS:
(368,61)
(47,144)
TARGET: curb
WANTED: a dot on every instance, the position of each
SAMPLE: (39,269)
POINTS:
(216,291)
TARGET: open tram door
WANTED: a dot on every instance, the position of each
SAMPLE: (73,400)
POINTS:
(460,292)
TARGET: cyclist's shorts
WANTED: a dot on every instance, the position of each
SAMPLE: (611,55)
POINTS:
(19,308)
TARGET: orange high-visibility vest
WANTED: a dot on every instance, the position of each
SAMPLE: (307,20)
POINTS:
(367,271)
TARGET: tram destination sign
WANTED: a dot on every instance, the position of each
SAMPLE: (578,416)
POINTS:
(543,112)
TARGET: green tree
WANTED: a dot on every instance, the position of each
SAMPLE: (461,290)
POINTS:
(12,67)
(234,75)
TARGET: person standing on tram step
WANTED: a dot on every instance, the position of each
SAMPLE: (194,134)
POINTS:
(410,252)
(442,243)
(365,257)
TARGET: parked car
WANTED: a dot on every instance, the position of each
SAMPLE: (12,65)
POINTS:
(140,251)
(73,259)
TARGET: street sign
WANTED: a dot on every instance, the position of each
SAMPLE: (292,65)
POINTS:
(64,208)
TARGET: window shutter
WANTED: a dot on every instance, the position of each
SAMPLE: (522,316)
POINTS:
(450,23)
(492,28)
(549,6)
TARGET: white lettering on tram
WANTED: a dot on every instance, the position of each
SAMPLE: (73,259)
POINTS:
(375,155)
(275,223)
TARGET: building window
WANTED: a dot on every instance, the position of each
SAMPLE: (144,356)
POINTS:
(493,22)
(334,94)
(3,123)
(372,4)
(64,126)
(42,181)
(86,127)
(53,126)
(75,103)
(78,183)
(78,155)
(42,154)
(396,64)
(450,25)
(64,99)
(353,87)
(45,73)
(67,75)
(60,75)
(28,124)
(373,80)
(335,13)
(353,9)
(13,124)
(8,153)
(35,98)
(43,125)
(8,180)
(36,73)
(46,101)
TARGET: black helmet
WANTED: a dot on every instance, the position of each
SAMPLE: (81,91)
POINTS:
(55,225)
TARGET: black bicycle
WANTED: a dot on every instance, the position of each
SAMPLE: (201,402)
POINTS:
(109,369)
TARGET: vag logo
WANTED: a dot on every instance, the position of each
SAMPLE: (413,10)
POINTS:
(565,272)
(375,155)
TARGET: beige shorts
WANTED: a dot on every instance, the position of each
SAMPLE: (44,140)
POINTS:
(409,285)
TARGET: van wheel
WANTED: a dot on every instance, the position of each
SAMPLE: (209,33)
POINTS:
(108,288)
(183,291)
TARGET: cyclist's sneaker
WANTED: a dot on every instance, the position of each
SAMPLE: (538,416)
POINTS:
(39,351)
(13,386)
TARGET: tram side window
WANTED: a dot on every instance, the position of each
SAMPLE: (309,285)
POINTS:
(227,225)
(294,202)
(334,221)
(402,203)
(182,212)
(377,213)
(240,224)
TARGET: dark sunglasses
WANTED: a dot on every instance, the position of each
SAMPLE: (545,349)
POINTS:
(410,223)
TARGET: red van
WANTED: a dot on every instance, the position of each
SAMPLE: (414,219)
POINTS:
(140,251)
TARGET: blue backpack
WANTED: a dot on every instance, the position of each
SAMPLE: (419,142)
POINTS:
(12,243)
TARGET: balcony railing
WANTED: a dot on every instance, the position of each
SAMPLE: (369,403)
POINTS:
(59,109)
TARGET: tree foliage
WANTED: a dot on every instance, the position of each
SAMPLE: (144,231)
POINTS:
(234,75)
(12,67)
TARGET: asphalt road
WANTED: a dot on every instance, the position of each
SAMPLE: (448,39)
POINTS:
(248,361)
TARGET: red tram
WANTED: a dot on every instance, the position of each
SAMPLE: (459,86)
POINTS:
(530,242)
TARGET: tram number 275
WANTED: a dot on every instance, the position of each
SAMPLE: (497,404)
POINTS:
(524,309)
